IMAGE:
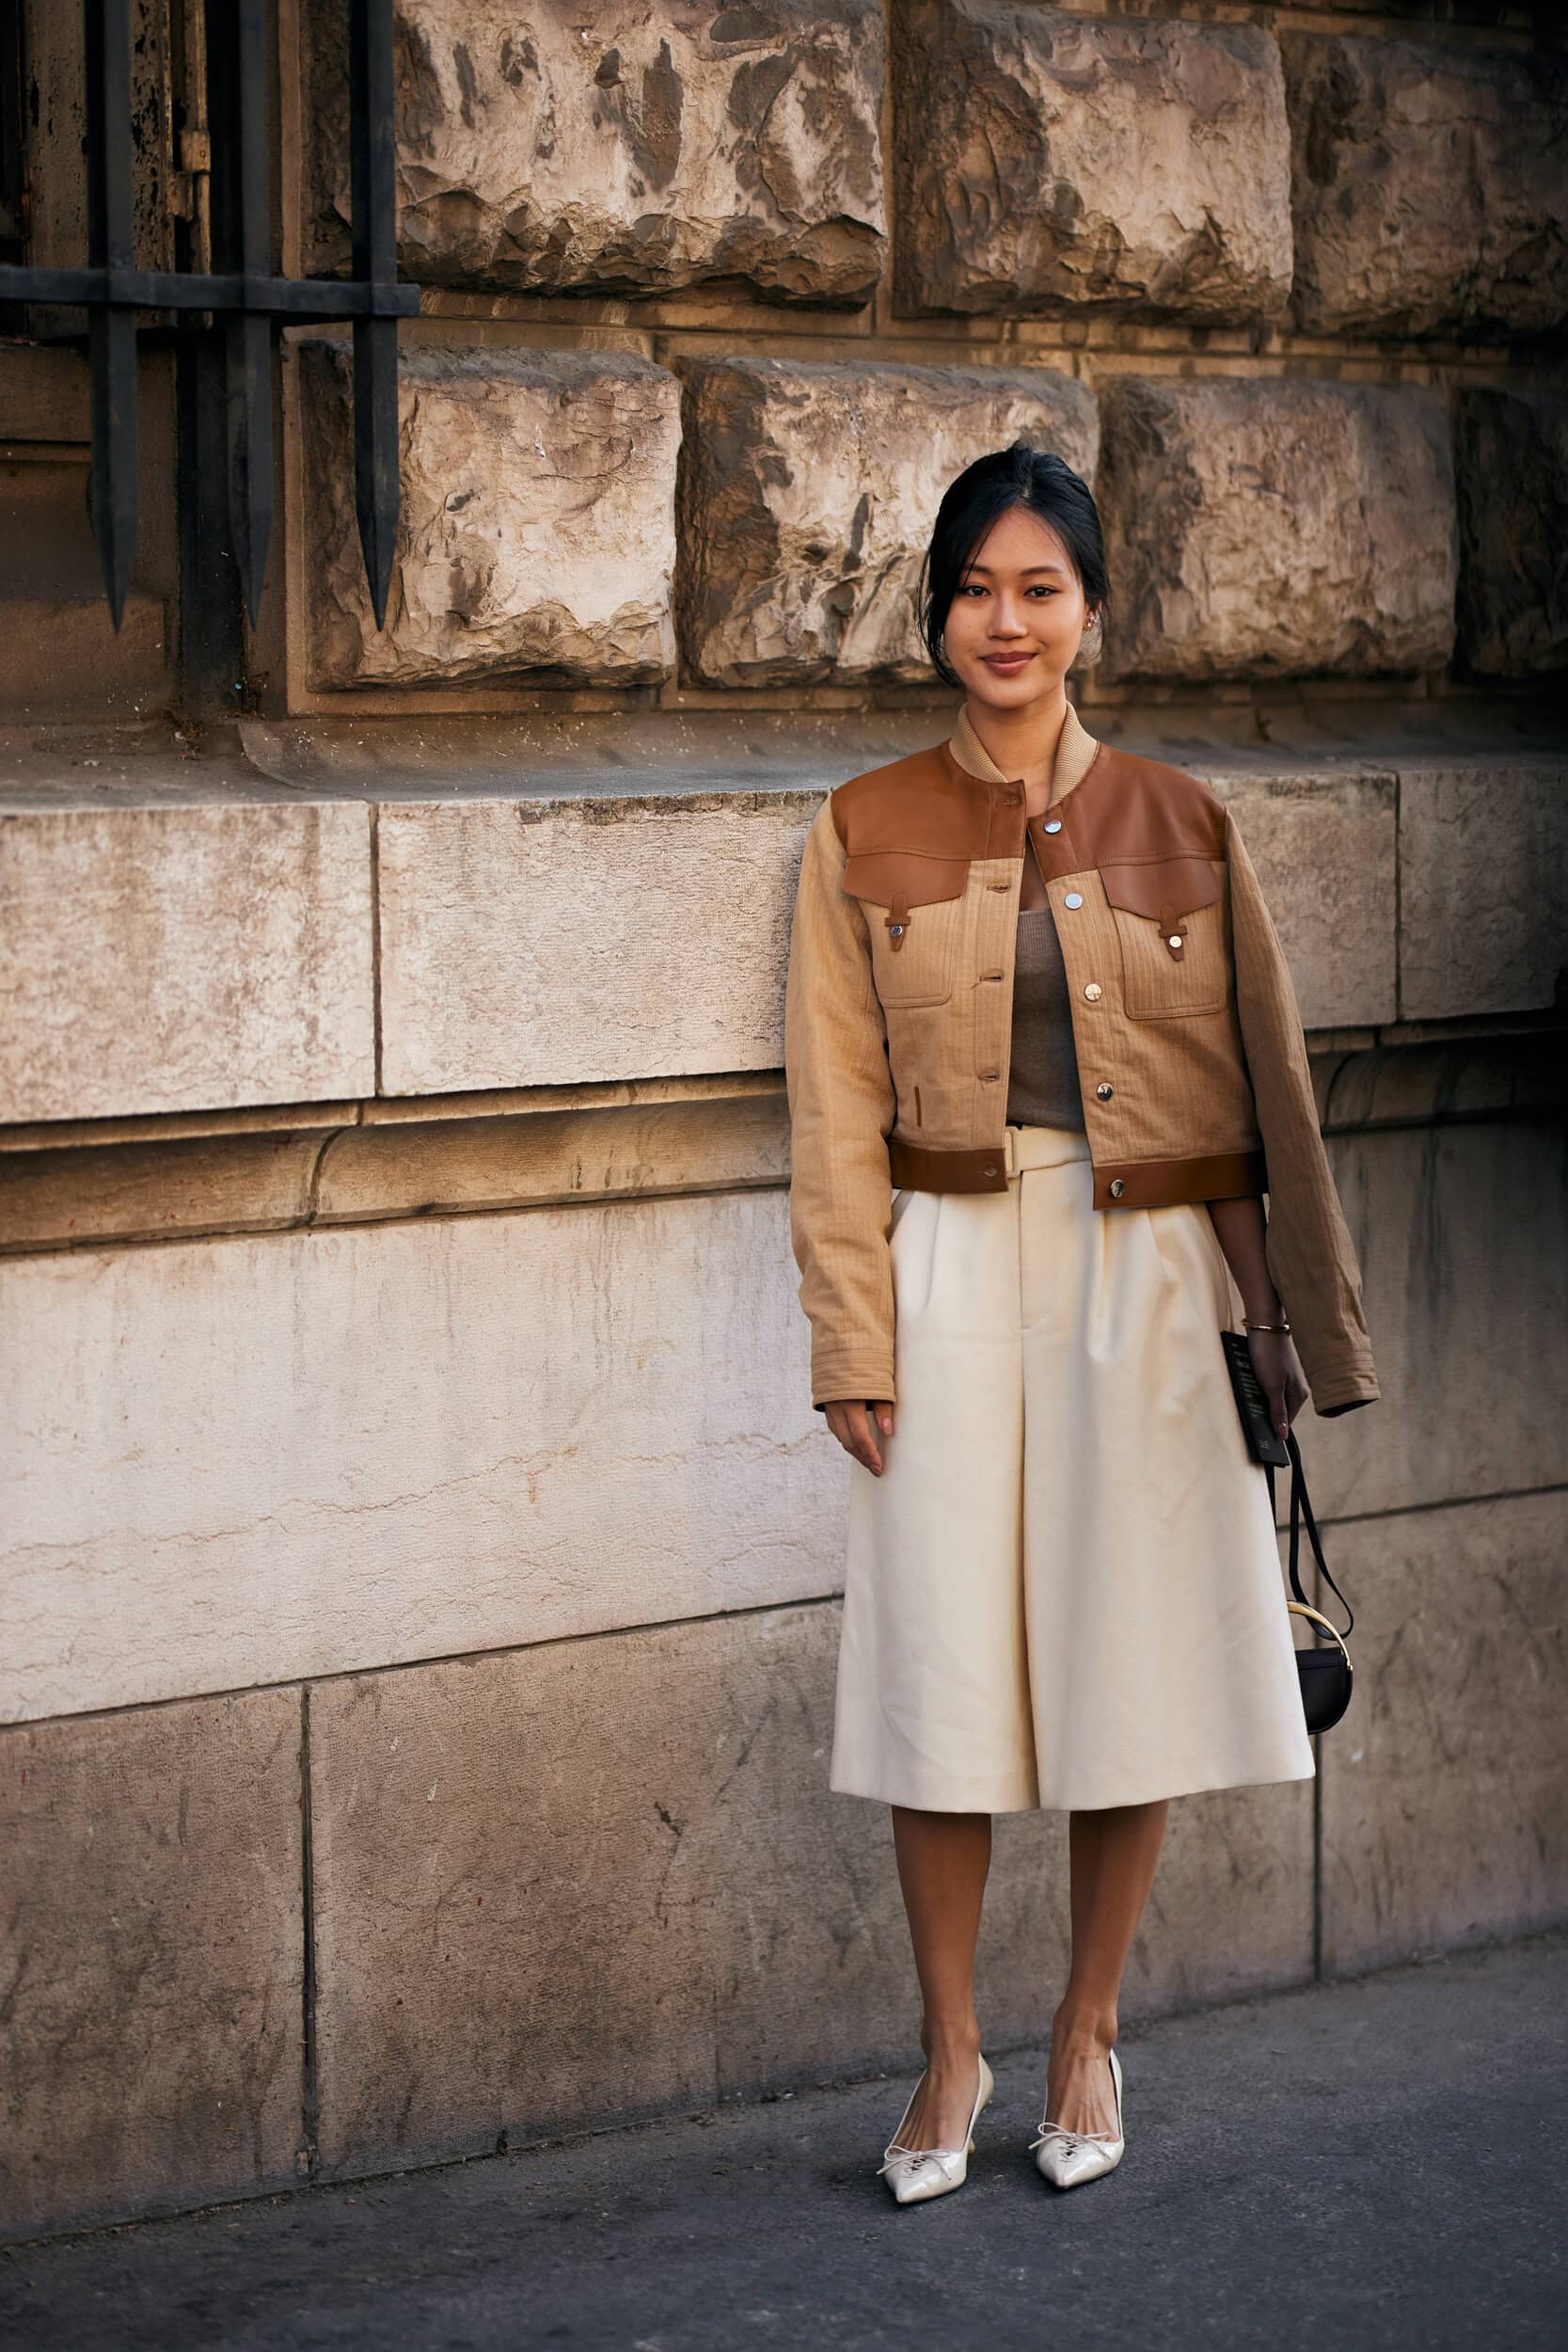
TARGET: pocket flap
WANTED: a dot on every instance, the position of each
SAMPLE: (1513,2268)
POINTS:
(882,876)
(1163,888)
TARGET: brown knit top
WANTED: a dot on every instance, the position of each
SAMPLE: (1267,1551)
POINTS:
(1043,1080)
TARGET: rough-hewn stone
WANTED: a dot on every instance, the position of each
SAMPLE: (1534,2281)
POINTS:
(1484,890)
(1050,163)
(1511,471)
(622,149)
(297,1454)
(1443,1813)
(535,532)
(741,1923)
(808,492)
(1269,528)
(1429,186)
(150,2033)
(524,945)
(180,959)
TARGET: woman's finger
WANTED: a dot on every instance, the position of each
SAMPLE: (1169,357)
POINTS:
(851,1425)
(866,1449)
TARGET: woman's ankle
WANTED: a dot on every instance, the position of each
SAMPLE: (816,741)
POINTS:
(1083,2026)
(956,2044)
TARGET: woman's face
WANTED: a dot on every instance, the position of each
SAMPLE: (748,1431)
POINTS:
(1016,622)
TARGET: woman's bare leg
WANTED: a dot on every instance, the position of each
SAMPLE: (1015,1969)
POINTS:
(942,1862)
(1113,1853)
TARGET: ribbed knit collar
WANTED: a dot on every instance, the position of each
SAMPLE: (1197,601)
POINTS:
(1076,748)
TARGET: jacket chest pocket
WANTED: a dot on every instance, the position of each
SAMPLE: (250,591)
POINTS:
(914,911)
(1170,924)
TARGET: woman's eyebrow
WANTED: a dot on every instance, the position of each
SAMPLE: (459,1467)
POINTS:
(1025,571)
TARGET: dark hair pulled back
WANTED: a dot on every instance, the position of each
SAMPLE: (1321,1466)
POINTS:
(1040,482)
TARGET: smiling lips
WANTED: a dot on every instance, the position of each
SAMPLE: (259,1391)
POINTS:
(1006,661)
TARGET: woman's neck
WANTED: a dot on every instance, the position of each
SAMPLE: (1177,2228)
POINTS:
(1023,742)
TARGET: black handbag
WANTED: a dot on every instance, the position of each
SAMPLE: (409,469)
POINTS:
(1327,1676)
(1324,1671)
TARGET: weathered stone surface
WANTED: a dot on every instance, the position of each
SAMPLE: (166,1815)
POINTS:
(741,1923)
(1429,186)
(1057,164)
(731,1134)
(1274,527)
(536,530)
(181,958)
(808,493)
(525,944)
(1511,471)
(444,1165)
(300,1453)
(1323,846)
(621,150)
(1443,1813)
(145,1192)
(150,2034)
(1484,890)
(1461,1230)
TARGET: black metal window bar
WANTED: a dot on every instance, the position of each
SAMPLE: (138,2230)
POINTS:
(248,305)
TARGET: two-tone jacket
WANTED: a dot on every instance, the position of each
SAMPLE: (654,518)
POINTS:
(1192,1061)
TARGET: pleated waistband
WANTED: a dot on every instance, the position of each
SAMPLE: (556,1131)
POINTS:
(1042,1147)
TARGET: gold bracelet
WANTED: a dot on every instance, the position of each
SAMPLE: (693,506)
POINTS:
(1263,1326)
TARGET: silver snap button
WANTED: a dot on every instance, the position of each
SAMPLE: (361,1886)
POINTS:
(896,930)
(1118,1187)
(1105,1089)
(1073,898)
(1052,824)
(1093,990)
(1176,938)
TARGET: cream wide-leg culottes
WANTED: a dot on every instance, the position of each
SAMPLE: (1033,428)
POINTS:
(1064,1590)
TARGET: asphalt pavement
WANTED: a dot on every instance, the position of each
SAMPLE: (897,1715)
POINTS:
(1370,2164)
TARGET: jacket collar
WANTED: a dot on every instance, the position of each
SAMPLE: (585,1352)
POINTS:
(1076,751)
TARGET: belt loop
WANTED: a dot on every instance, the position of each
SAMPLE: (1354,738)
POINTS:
(1010,1151)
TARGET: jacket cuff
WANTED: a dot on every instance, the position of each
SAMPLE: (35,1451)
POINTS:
(861,1383)
(1344,1394)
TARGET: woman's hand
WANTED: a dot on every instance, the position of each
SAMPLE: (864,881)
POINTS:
(853,1423)
(1279,1374)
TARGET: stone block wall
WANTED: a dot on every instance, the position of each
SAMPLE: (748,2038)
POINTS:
(419,1560)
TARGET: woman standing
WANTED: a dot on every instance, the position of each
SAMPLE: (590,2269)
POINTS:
(1034,986)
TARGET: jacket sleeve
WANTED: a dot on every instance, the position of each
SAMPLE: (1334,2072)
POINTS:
(841,1108)
(1311,1258)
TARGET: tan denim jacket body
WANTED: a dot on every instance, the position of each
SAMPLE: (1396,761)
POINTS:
(899,1020)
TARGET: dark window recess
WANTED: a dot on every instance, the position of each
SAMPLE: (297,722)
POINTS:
(226,388)
(13,227)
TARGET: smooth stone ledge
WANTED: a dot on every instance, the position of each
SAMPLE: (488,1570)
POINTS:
(168,958)
(354,1164)
(614,749)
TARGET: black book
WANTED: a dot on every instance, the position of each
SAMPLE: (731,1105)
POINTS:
(1264,1443)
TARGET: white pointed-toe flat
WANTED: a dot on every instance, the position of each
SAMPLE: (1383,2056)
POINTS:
(914,2174)
(1067,2159)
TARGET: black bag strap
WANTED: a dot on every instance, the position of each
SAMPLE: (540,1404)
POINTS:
(1301,1508)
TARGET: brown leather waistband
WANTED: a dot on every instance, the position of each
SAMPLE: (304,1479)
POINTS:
(1161,1184)
(1124,1184)
(916,1169)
